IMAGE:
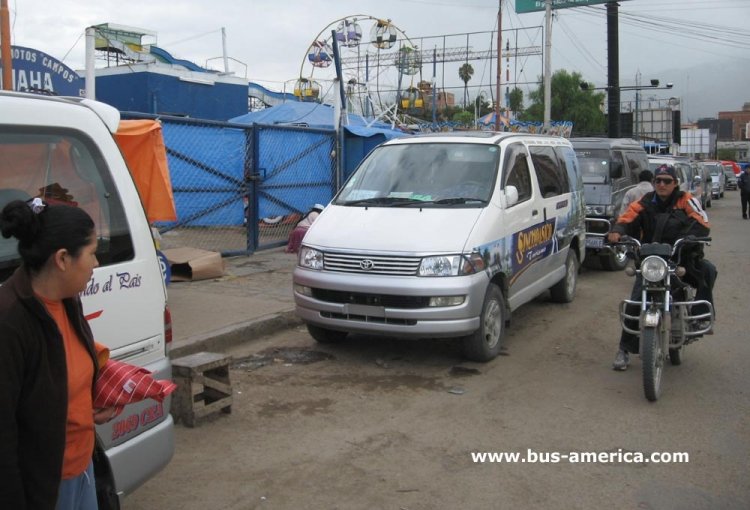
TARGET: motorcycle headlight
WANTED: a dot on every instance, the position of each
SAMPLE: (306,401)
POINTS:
(653,269)
(310,258)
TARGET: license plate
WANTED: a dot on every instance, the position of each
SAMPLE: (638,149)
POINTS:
(594,242)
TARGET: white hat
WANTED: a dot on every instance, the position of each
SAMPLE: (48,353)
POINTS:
(318,207)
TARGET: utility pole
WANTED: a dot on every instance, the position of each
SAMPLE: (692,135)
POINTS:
(499,62)
(613,72)
(5,54)
(547,63)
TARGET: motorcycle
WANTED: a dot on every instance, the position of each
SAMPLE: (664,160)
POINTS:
(666,321)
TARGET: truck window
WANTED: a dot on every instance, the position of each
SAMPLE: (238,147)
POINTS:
(62,167)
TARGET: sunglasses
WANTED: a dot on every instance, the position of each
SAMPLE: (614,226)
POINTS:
(663,181)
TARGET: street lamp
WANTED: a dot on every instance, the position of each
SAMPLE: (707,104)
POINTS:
(653,84)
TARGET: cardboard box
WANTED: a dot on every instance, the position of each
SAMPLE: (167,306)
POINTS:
(190,264)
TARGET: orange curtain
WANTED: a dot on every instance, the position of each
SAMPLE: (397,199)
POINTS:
(142,145)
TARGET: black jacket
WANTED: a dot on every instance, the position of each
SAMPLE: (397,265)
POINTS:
(743,182)
(654,220)
(33,394)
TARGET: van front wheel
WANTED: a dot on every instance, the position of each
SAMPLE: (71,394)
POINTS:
(326,336)
(615,259)
(484,344)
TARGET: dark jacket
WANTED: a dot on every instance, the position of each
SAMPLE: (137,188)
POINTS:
(33,394)
(653,220)
(743,182)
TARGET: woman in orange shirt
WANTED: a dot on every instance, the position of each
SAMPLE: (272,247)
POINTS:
(47,361)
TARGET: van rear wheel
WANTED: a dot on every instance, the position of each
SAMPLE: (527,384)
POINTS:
(485,343)
(564,291)
(326,336)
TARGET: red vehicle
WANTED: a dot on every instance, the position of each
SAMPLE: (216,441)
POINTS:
(733,165)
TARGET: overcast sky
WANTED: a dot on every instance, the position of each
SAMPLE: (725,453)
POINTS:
(701,46)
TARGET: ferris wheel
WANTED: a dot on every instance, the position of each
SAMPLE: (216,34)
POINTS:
(381,70)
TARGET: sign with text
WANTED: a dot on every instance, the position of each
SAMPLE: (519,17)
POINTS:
(36,71)
(539,5)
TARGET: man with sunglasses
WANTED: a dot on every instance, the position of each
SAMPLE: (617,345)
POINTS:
(665,215)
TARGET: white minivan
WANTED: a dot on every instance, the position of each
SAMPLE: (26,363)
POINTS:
(63,150)
(444,236)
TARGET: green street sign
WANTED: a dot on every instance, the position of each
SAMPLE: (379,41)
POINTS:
(539,5)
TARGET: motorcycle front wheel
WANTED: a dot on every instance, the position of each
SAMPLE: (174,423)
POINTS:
(652,356)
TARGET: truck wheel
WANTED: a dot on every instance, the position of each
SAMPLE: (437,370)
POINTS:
(326,336)
(484,344)
(615,260)
(565,290)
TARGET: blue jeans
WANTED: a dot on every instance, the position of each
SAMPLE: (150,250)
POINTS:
(78,493)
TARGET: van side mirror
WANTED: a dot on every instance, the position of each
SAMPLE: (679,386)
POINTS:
(511,196)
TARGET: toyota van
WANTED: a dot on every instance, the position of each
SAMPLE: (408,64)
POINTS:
(444,236)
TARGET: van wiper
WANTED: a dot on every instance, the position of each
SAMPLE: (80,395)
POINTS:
(379,201)
(443,201)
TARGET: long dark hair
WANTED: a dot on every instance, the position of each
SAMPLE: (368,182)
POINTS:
(41,234)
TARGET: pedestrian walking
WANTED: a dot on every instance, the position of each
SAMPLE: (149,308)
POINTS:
(743,184)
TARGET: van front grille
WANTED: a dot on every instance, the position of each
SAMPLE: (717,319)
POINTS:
(368,318)
(360,298)
(373,264)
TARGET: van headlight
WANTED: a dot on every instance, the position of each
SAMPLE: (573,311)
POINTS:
(310,258)
(451,265)
(653,269)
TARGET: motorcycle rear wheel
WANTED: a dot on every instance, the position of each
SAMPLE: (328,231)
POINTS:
(652,356)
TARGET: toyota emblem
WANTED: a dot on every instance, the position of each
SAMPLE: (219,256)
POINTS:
(366,264)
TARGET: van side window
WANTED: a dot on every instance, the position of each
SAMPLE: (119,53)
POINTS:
(63,167)
(617,168)
(553,180)
(569,163)
(637,162)
(517,173)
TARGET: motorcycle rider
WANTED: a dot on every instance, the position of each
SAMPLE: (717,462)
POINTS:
(665,215)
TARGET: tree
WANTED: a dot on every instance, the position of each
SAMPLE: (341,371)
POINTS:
(569,102)
(515,101)
(465,72)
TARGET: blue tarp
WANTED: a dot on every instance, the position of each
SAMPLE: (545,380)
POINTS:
(315,115)
(359,138)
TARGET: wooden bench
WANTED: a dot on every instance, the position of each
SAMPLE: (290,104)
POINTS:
(203,386)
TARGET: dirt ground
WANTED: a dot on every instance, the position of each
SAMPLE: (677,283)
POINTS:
(392,424)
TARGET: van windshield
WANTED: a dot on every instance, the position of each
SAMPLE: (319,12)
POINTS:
(594,165)
(423,174)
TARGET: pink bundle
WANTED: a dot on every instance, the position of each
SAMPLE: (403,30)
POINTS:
(120,384)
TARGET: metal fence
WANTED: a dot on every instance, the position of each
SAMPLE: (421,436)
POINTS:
(241,188)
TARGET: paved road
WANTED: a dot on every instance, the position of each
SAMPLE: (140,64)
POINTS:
(392,424)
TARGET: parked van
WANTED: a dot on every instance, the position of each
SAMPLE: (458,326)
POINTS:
(718,180)
(610,167)
(701,187)
(63,151)
(444,236)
